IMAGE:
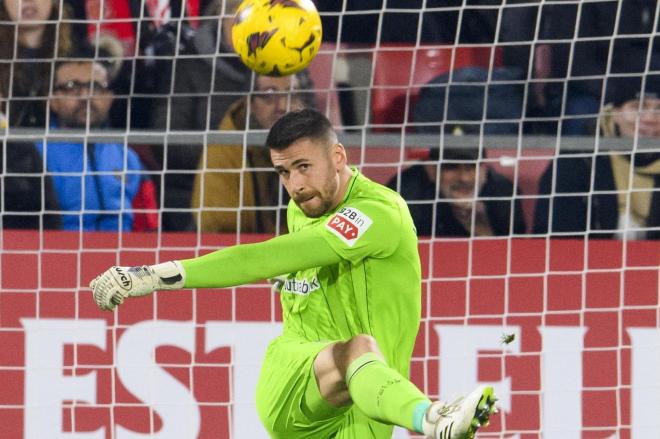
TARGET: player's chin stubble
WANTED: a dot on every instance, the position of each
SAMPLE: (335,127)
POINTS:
(317,211)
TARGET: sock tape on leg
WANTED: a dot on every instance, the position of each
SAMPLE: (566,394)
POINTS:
(359,363)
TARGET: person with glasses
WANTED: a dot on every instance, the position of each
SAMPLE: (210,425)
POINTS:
(99,186)
(236,191)
(81,95)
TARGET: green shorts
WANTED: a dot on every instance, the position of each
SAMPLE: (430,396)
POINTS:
(290,404)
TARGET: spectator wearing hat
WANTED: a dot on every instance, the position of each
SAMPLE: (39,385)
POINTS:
(475,100)
(458,197)
(624,198)
(586,47)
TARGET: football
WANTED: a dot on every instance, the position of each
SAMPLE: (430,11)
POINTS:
(276,37)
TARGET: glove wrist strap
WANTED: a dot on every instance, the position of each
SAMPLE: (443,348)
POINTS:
(169,275)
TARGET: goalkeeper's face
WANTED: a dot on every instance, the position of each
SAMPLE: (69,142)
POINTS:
(313,174)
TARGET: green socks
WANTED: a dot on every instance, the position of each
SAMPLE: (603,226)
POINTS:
(384,394)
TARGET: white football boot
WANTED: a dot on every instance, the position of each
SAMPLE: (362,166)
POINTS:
(461,418)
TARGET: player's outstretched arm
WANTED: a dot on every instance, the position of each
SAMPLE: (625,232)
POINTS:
(249,263)
(232,266)
(114,285)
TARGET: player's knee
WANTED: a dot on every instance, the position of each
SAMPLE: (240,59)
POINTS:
(345,353)
(361,344)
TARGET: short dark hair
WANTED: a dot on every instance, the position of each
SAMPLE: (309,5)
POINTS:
(465,153)
(299,124)
(86,53)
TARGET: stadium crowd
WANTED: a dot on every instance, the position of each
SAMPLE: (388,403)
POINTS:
(589,70)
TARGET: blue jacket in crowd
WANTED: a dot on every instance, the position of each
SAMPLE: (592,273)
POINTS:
(112,177)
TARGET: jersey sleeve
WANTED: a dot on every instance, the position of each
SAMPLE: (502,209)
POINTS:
(248,263)
(364,228)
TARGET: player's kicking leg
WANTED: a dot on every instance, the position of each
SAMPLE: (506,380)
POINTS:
(462,418)
(355,371)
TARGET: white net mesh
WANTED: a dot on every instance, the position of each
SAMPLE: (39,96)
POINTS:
(523,134)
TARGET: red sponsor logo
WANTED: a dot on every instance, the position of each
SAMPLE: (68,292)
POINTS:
(346,228)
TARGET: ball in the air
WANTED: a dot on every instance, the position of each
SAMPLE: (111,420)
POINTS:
(276,37)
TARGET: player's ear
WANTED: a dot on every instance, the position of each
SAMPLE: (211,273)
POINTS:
(339,155)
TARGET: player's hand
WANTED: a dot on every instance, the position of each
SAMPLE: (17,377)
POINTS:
(114,285)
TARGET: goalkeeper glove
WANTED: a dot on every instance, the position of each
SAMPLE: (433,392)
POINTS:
(113,286)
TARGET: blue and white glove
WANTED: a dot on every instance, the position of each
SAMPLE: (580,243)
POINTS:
(114,285)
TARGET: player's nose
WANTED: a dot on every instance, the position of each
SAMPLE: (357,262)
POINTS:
(297,182)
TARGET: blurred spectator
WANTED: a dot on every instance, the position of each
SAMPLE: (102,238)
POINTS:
(125,20)
(225,166)
(3,118)
(121,80)
(204,82)
(579,205)
(207,79)
(465,102)
(465,202)
(27,198)
(434,21)
(31,35)
(107,177)
(146,28)
(613,39)
(509,24)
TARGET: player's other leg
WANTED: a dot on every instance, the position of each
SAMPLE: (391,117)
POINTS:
(355,371)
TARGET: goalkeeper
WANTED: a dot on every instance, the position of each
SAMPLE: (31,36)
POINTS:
(350,282)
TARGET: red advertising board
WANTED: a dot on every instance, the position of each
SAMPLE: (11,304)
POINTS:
(583,363)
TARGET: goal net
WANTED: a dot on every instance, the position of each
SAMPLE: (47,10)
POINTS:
(523,136)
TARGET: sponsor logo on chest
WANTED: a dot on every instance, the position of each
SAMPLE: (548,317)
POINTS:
(349,224)
(301,286)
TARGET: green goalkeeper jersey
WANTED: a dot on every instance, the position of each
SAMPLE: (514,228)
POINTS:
(375,289)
